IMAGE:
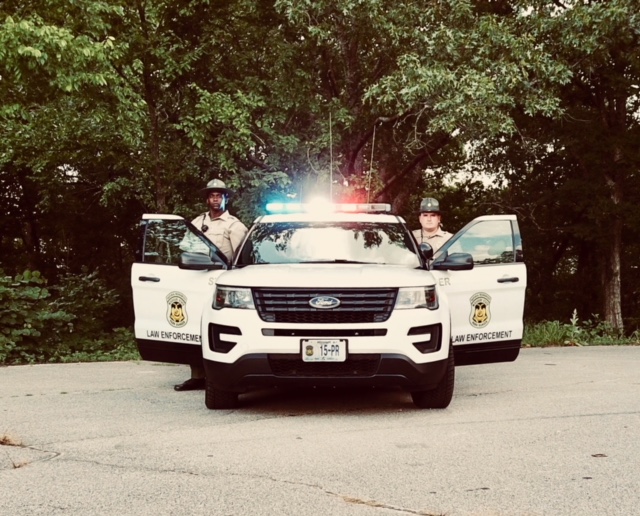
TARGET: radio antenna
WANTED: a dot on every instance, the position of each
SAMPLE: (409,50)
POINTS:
(373,146)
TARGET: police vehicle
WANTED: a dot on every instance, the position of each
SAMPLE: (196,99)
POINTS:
(329,295)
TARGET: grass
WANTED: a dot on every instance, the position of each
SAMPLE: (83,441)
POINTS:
(576,333)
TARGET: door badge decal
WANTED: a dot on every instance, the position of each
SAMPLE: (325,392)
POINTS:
(177,309)
(480,310)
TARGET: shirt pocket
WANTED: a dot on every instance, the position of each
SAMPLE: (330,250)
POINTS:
(216,235)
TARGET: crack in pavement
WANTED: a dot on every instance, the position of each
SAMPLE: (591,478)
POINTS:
(345,498)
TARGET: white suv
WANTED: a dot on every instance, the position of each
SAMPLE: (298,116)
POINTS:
(341,295)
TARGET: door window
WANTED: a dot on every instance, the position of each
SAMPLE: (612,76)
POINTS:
(165,240)
(489,242)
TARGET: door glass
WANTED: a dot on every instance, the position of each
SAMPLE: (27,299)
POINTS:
(489,241)
(165,240)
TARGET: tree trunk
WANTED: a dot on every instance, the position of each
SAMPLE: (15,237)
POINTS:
(30,227)
(150,96)
(611,278)
(611,270)
(161,190)
(154,128)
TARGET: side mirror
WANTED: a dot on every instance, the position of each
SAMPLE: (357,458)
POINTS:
(426,251)
(454,262)
(198,262)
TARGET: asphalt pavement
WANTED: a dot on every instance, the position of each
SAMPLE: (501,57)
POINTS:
(554,433)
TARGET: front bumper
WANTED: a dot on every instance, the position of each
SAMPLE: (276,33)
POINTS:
(273,370)
(420,335)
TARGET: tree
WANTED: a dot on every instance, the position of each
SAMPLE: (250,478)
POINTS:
(114,107)
(599,41)
(581,166)
(496,69)
(42,69)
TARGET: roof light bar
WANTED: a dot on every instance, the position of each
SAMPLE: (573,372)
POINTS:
(297,207)
(378,207)
(284,207)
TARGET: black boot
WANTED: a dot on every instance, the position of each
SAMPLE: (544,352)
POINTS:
(192,384)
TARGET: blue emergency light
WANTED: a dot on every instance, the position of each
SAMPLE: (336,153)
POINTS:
(284,207)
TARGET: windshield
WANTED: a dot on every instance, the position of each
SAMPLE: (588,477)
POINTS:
(329,242)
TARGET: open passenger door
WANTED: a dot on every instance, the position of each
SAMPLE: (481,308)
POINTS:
(487,301)
(173,277)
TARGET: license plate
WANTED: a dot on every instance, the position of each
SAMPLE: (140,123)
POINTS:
(324,350)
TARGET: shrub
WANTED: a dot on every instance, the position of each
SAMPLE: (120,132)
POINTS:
(591,332)
(118,345)
(68,322)
(547,333)
(29,326)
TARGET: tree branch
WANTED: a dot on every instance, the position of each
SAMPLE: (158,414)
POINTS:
(369,134)
(444,140)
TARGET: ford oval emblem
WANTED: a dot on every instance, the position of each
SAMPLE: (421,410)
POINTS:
(324,302)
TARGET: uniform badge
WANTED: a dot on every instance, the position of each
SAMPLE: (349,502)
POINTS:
(177,309)
(480,313)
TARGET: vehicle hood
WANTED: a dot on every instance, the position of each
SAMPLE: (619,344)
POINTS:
(326,276)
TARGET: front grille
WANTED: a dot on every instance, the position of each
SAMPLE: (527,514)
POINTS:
(355,366)
(284,305)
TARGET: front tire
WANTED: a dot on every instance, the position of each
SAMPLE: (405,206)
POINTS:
(215,399)
(440,397)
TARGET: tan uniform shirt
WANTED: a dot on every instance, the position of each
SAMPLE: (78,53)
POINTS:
(435,241)
(226,231)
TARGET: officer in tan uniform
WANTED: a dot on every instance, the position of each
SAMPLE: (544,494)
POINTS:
(430,231)
(227,233)
(222,228)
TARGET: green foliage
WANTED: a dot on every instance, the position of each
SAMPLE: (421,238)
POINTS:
(87,298)
(93,308)
(27,322)
(467,71)
(109,109)
(69,322)
(118,345)
(592,332)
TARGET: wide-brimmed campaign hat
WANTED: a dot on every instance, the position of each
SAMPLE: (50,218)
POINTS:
(429,205)
(216,185)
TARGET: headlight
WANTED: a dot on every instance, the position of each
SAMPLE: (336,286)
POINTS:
(417,297)
(232,297)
